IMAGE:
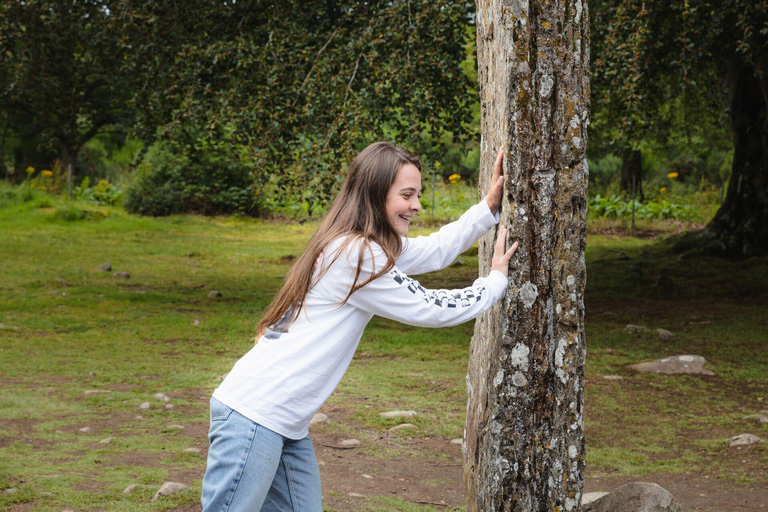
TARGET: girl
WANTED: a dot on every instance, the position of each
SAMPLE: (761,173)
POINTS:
(354,267)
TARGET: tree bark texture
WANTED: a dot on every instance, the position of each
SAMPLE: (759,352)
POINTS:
(740,226)
(524,440)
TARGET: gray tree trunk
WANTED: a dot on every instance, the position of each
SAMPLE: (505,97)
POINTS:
(524,438)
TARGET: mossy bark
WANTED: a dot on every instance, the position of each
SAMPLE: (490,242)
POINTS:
(524,440)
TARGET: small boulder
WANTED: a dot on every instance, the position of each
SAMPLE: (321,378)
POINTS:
(589,497)
(96,392)
(674,365)
(320,418)
(192,450)
(354,495)
(349,443)
(758,418)
(106,440)
(635,329)
(162,396)
(169,406)
(145,405)
(106,267)
(402,426)
(664,335)
(85,429)
(613,377)
(169,488)
(744,440)
(196,322)
(214,294)
(122,273)
(635,497)
(398,414)
(459,441)
(130,488)
(175,426)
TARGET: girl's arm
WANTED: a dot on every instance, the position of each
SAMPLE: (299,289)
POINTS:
(438,250)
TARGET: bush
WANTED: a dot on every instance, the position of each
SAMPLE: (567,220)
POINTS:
(201,178)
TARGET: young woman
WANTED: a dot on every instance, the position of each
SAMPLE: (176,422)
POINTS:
(355,266)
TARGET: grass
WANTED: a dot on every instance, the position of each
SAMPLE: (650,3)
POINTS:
(68,327)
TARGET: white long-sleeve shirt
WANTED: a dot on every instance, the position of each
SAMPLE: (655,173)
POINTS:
(288,375)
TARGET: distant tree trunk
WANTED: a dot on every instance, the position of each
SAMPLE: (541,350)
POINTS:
(740,226)
(524,440)
(632,167)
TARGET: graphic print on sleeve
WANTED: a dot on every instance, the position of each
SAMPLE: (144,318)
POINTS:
(460,298)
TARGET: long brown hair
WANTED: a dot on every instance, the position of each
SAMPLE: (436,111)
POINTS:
(357,213)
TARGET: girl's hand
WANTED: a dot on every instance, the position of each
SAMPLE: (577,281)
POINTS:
(501,257)
(497,183)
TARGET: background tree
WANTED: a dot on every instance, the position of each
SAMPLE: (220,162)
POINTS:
(689,53)
(524,441)
(60,81)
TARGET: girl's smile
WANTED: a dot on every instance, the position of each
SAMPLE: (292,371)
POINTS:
(403,198)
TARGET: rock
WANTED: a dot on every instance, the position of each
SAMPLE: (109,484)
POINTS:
(174,425)
(122,273)
(130,488)
(674,365)
(459,442)
(354,495)
(349,443)
(320,418)
(214,294)
(744,440)
(4,327)
(367,477)
(145,405)
(635,497)
(105,267)
(196,322)
(759,418)
(106,440)
(96,392)
(169,406)
(192,450)
(10,490)
(169,488)
(398,414)
(402,426)
(635,329)
(85,429)
(162,396)
(138,417)
(589,497)
(613,377)
(664,335)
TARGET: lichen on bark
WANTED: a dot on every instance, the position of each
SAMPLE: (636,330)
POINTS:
(524,441)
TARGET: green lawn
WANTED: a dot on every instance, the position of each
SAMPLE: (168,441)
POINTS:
(68,328)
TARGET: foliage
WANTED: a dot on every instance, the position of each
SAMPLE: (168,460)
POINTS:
(194,175)
(615,207)
(103,193)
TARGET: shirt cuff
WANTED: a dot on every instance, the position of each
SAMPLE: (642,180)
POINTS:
(497,284)
(487,219)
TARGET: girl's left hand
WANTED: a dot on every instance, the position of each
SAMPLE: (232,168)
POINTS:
(497,183)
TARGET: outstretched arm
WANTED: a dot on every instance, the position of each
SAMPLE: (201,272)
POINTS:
(438,250)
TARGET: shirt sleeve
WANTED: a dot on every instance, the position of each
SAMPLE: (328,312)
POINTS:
(396,296)
(438,250)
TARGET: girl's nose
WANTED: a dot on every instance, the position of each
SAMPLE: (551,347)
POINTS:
(417,206)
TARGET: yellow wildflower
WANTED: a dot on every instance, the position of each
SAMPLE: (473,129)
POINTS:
(30,169)
(46,173)
(672,175)
(103,182)
(454,178)
(663,189)
(438,164)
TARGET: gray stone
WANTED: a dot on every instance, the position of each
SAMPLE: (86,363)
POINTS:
(674,365)
(130,488)
(349,443)
(162,396)
(196,322)
(354,495)
(402,426)
(635,497)
(96,392)
(665,335)
(176,426)
(85,429)
(459,441)
(398,414)
(169,406)
(122,273)
(613,377)
(758,418)
(106,440)
(145,405)
(367,477)
(589,497)
(193,450)
(105,267)
(10,490)
(214,294)
(744,440)
(4,327)
(320,418)
(169,488)
(635,329)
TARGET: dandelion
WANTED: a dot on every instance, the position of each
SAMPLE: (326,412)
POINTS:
(663,189)
(438,164)
(454,178)
(46,173)
(672,175)
(30,169)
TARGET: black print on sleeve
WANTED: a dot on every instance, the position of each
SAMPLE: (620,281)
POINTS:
(440,298)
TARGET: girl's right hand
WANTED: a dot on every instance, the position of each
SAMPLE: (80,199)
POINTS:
(501,256)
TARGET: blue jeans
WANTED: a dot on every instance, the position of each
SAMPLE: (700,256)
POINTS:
(252,468)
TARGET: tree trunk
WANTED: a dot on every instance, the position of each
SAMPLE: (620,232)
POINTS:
(632,167)
(524,440)
(740,226)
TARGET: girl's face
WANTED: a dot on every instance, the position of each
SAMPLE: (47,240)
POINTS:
(403,198)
